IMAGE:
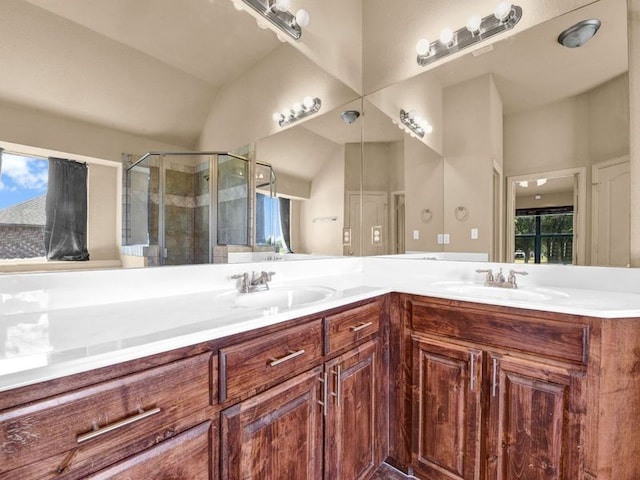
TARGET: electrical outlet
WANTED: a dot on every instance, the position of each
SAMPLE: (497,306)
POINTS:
(346,236)
(445,239)
(376,235)
(441,239)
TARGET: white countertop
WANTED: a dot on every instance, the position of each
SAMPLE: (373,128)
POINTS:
(52,325)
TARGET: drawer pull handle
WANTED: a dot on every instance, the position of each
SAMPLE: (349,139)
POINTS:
(114,426)
(361,326)
(291,356)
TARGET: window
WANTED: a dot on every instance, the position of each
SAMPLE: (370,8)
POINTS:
(544,235)
(23,189)
(270,227)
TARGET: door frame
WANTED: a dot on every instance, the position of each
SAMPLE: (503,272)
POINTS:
(579,209)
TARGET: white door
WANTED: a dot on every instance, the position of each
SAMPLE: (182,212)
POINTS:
(372,238)
(611,198)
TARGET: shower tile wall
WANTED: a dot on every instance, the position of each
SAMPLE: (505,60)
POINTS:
(186,214)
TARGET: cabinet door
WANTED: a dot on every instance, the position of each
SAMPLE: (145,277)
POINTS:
(447,379)
(276,434)
(354,419)
(535,421)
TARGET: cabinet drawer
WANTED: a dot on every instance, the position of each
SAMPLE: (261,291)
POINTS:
(249,365)
(348,328)
(87,429)
(184,457)
(551,339)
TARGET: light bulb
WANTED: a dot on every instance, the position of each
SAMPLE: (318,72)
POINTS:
(423,47)
(411,114)
(277,117)
(446,36)
(502,11)
(282,5)
(428,128)
(308,102)
(418,120)
(297,108)
(303,18)
(285,114)
(473,24)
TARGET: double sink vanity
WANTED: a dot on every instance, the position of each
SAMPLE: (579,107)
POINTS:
(338,366)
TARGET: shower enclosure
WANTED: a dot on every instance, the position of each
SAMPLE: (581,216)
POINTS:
(178,206)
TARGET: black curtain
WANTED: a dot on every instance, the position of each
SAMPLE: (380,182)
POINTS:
(65,232)
(285,222)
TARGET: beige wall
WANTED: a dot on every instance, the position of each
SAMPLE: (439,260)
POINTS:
(242,111)
(634,103)
(326,200)
(473,122)
(104,231)
(424,190)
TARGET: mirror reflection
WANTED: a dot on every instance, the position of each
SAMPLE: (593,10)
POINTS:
(528,108)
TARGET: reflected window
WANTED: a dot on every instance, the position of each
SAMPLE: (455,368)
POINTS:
(273,222)
(23,190)
(544,235)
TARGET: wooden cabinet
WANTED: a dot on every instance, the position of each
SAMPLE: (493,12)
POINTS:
(184,457)
(328,422)
(489,398)
(276,434)
(354,415)
(534,421)
(79,432)
(447,380)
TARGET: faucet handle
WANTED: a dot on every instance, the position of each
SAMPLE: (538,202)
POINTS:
(516,272)
(489,272)
(238,275)
(512,277)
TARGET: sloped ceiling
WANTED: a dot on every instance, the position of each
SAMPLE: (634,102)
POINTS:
(147,67)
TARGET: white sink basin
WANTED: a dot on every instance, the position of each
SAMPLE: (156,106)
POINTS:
(281,297)
(480,291)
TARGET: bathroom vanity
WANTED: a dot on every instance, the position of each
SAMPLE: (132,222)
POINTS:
(437,384)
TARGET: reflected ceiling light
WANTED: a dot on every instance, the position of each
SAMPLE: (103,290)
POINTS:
(473,24)
(477,29)
(541,181)
(579,34)
(309,106)
(524,184)
(416,125)
(277,12)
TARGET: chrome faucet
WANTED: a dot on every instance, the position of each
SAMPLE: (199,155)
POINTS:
(254,281)
(499,279)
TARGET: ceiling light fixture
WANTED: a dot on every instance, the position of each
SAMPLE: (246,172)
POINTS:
(579,34)
(416,125)
(277,12)
(298,111)
(477,29)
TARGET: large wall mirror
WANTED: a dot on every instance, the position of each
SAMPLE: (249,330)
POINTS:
(159,75)
(523,131)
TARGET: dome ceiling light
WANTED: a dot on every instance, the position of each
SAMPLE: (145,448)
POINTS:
(579,34)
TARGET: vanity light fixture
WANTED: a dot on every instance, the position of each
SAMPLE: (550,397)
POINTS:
(416,125)
(477,29)
(298,111)
(277,12)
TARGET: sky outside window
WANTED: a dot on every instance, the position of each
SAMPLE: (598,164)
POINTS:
(22,178)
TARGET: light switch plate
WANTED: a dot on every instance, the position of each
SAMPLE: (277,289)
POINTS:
(416,234)
(474,234)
